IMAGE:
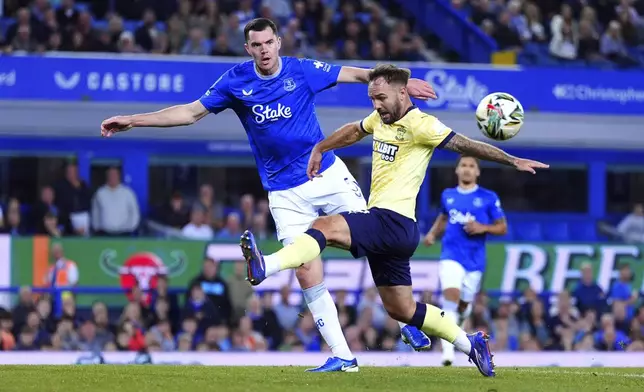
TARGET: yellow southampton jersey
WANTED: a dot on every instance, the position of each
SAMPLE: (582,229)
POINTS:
(401,153)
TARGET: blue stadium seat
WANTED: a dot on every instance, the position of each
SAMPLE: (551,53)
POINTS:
(556,232)
(583,231)
(528,231)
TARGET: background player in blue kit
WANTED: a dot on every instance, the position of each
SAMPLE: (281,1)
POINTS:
(273,97)
(468,214)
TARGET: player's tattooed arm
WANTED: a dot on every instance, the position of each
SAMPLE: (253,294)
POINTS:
(463,145)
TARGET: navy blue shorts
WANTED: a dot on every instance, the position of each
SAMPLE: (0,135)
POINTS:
(388,240)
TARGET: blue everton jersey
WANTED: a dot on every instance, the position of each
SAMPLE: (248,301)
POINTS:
(278,114)
(462,206)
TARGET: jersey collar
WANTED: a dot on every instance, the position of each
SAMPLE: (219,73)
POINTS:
(269,77)
(467,191)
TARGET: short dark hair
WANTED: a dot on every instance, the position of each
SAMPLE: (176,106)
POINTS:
(259,24)
(390,73)
(460,158)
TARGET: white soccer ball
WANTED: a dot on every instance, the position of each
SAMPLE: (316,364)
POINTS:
(499,116)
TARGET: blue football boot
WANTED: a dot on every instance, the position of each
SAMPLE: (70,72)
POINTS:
(255,268)
(415,338)
(335,364)
(480,354)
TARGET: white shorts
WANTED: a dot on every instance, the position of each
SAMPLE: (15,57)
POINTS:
(295,209)
(452,275)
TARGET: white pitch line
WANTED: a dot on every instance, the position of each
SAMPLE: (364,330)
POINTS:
(579,373)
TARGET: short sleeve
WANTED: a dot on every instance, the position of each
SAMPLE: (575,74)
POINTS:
(495,209)
(368,124)
(431,132)
(217,98)
(319,75)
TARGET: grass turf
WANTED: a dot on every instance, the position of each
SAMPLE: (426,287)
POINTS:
(143,378)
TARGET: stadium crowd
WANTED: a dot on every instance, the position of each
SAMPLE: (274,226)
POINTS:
(563,32)
(337,29)
(227,315)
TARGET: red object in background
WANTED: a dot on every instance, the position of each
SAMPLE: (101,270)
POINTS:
(137,342)
(142,269)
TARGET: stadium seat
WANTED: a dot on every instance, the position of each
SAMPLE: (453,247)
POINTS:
(528,231)
(583,231)
(556,232)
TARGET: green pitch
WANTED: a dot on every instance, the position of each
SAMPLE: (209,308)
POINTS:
(143,378)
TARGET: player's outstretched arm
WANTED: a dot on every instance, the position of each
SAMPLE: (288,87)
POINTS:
(173,116)
(345,136)
(437,230)
(417,88)
(463,145)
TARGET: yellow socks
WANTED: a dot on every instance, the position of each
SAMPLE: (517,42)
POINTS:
(305,248)
(438,324)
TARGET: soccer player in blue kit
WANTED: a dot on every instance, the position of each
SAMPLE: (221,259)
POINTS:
(273,97)
(469,213)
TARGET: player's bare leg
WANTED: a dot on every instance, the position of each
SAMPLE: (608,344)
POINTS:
(400,305)
(451,299)
(324,312)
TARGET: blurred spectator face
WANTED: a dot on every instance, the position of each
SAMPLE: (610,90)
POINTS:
(263,207)
(222,42)
(233,223)
(614,29)
(57,252)
(24,16)
(467,170)
(126,42)
(69,306)
(33,320)
(13,214)
(196,35)
(65,326)
(353,30)
(176,203)
(504,18)
(185,343)
(566,12)
(27,338)
(378,50)
(206,194)
(267,300)
(25,296)
(6,324)
(149,18)
(233,22)
(259,223)
(113,177)
(587,274)
(88,331)
(607,321)
(514,7)
(55,41)
(588,14)
(246,5)
(115,25)
(43,307)
(185,8)
(50,18)
(99,311)
(123,339)
(198,216)
(162,285)
(24,33)
(210,268)
(85,20)
(254,305)
(350,50)
(132,312)
(247,203)
(638,209)
(299,9)
(625,273)
(189,326)
(56,342)
(348,11)
(488,27)
(585,29)
(197,294)
(245,325)
(161,308)
(47,195)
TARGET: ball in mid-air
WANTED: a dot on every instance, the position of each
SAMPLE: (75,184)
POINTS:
(499,116)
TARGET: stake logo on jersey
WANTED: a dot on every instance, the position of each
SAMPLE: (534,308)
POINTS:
(278,114)
(387,151)
(463,206)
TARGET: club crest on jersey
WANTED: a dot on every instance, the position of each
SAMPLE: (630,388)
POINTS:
(387,151)
(289,84)
(477,202)
(400,134)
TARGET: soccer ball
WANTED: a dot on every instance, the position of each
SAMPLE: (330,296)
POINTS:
(499,116)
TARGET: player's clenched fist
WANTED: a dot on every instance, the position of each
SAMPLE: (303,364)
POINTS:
(115,124)
(430,239)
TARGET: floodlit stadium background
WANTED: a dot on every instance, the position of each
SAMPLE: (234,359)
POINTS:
(65,66)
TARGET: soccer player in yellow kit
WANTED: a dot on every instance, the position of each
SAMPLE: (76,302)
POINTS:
(404,139)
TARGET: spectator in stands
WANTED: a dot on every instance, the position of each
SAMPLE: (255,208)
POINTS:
(505,36)
(221,47)
(146,34)
(232,230)
(115,28)
(588,295)
(127,44)
(22,309)
(27,340)
(247,207)
(281,8)
(131,328)
(537,33)
(629,28)
(170,308)
(235,33)
(115,210)
(177,33)
(215,288)
(264,320)
(215,210)
(7,339)
(632,226)
(199,307)
(622,290)
(175,214)
(239,290)
(197,228)
(104,327)
(608,338)
(88,338)
(371,301)
(197,43)
(161,335)
(287,314)
(74,200)
(63,272)
(563,46)
(66,333)
(44,311)
(612,46)
(67,16)
(260,227)
(44,207)
(481,10)
(85,34)
(588,48)
(248,339)
(563,322)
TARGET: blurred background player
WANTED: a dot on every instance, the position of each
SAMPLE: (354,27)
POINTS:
(273,97)
(468,214)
